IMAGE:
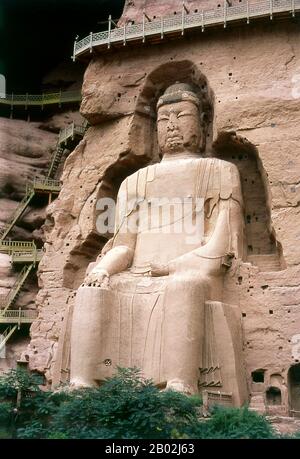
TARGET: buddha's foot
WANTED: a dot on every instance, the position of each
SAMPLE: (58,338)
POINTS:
(78,384)
(179,386)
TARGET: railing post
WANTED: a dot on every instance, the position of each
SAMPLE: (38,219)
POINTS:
(145,16)
(59,98)
(91,42)
(144,27)
(34,252)
(26,102)
(293,8)
(182,19)
(109,31)
(202,20)
(248,12)
(42,101)
(12,105)
(74,49)
(162,28)
(124,38)
(19,322)
(225,14)
(271,10)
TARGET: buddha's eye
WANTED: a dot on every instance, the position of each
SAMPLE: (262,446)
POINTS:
(163,118)
(184,114)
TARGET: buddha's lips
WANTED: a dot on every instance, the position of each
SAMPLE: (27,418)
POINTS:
(174,137)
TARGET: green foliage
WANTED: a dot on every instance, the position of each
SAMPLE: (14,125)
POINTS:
(15,380)
(35,430)
(126,406)
(294,436)
(5,413)
(233,423)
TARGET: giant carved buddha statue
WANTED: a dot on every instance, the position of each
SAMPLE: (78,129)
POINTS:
(178,225)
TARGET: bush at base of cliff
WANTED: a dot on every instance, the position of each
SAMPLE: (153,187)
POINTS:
(124,407)
(233,423)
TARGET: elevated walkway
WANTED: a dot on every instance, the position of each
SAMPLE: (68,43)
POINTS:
(38,186)
(21,252)
(68,139)
(9,247)
(33,256)
(41,100)
(27,253)
(17,317)
(153,31)
(46,185)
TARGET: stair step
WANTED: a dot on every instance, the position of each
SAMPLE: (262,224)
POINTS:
(269,262)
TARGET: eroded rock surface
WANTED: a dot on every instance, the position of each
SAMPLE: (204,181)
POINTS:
(256,95)
(25,153)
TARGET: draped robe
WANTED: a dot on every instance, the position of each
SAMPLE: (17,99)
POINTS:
(157,323)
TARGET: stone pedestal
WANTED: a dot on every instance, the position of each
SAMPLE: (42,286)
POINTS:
(222,375)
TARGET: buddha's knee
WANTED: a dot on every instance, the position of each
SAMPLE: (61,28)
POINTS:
(188,283)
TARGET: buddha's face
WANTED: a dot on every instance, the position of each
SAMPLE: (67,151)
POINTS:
(179,128)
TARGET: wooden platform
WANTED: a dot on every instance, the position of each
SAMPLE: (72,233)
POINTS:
(175,26)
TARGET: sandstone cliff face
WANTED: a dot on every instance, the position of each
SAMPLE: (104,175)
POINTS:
(25,152)
(134,9)
(253,72)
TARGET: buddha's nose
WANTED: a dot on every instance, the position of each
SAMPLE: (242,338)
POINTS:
(172,123)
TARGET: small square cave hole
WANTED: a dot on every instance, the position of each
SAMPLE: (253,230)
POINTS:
(258,376)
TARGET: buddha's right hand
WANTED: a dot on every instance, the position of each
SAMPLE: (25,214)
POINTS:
(158,270)
(97,278)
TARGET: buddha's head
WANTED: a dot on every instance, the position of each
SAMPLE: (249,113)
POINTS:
(180,120)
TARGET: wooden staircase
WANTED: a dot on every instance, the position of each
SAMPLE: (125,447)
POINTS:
(68,139)
(7,301)
(18,212)
(55,162)
(27,253)
(8,332)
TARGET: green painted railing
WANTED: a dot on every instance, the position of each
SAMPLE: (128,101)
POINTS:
(68,138)
(8,332)
(20,246)
(46,184)
(71,131)
(33,256)
(7,301)
(27,100)
(18,316)
(21,252)
(243,12)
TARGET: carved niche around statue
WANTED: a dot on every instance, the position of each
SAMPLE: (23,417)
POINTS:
(154,300)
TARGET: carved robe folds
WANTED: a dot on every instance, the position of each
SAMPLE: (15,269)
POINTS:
(158,323)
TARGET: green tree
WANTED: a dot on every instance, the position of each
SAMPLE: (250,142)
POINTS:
(126,406)
(238,423)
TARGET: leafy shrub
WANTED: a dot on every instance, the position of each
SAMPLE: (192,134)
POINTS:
(126,406)
(238,423)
